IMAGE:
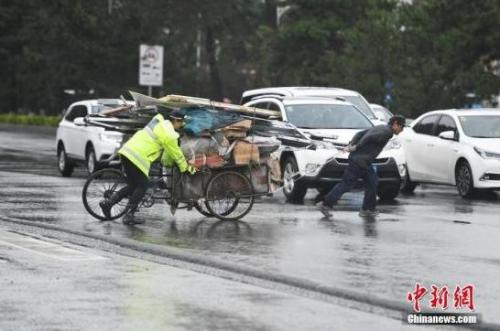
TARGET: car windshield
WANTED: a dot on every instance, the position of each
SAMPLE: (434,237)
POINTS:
(481,126)
(95,109)
(360,104)
(326,116)
(383,114)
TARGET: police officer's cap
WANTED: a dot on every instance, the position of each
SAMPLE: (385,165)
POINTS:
(176,115)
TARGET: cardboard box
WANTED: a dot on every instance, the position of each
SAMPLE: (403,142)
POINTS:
(237,130)
(234,134)
(243,125)
(244,153)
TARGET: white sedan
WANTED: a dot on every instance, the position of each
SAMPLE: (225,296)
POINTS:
(454,147)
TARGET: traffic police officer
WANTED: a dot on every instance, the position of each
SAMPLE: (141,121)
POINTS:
(137,154)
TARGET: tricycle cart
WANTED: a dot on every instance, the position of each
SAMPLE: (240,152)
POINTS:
(227,193)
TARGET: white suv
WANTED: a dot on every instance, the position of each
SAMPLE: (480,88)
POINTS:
(90,145)
(325,92)
(454,147)
(332,123)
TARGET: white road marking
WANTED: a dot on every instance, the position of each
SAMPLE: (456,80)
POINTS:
(45,248)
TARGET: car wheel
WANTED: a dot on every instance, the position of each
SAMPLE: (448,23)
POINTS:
(293,191)
(388,193)
(91,161)
(407,185)
(63,164)
(464,180)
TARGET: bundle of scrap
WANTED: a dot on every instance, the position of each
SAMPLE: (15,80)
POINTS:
(217,134)
(131,117)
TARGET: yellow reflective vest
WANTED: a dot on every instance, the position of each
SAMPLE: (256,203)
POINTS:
(147,145)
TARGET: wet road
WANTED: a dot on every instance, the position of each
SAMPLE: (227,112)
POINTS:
(431,237)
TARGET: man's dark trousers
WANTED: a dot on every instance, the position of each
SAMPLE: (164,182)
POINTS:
(349,180)
(137,184)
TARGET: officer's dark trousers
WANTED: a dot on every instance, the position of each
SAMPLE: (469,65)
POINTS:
(137,184)
(349,180)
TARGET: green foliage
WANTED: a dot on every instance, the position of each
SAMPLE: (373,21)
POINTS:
(433,51)
(30,119)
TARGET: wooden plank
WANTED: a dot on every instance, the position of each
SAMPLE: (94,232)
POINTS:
(114,111)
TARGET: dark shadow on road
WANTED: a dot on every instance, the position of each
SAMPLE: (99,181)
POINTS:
(222,228)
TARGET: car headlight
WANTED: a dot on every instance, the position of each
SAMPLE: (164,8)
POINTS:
(311,168)
(109,137)
(392,144)
(324,145)
(485,154)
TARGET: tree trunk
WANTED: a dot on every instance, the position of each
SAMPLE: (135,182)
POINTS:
(270,13)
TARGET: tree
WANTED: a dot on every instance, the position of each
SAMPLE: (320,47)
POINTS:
(447,51)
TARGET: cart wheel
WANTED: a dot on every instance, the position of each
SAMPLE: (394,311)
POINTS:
(229,195)
(202,208)
(101,185)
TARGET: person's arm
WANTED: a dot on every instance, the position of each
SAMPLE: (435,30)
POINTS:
(377,135)
(168,138)
(352,144)
(173,150)
(357,137)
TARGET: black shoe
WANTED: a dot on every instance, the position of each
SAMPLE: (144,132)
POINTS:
(326,210)
(129,219)
(106,208)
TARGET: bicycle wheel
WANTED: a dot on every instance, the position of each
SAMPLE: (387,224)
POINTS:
(101,185)
(229,195)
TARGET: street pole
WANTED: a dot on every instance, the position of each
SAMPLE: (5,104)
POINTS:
(198,56)
(150,90)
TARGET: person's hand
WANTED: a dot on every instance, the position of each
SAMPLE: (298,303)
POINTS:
(191,170)
(350,148)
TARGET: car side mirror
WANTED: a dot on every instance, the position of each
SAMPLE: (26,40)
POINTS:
(448,135)
(80,121)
